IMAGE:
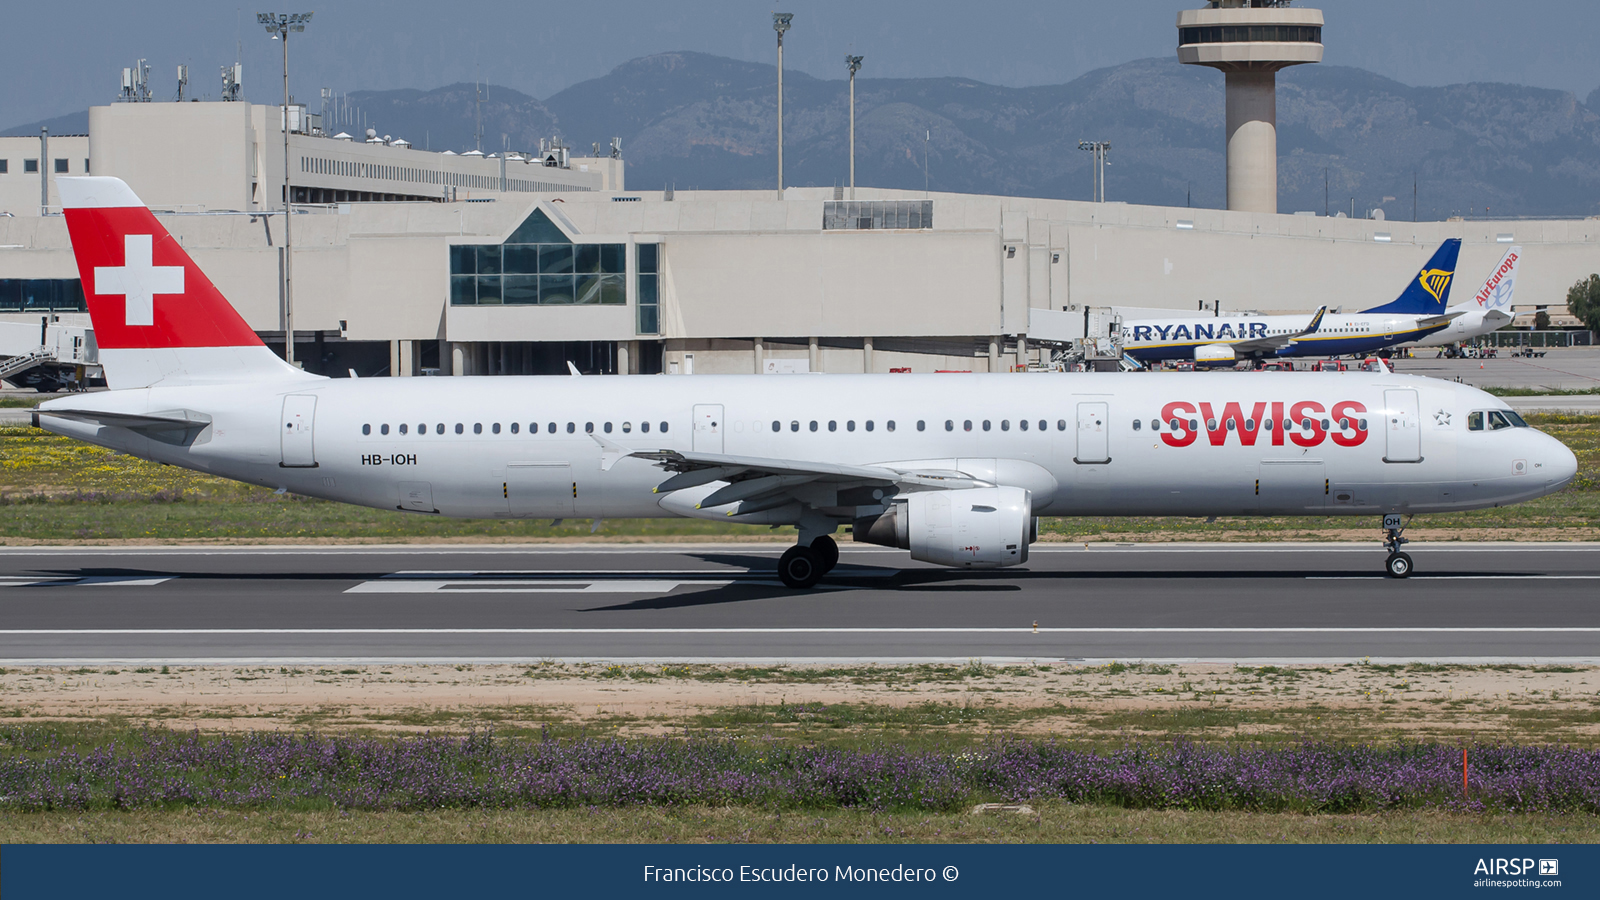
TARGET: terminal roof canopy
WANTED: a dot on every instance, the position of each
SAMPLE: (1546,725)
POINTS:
(538,229)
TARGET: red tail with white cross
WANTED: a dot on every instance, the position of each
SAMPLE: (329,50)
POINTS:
(145,294)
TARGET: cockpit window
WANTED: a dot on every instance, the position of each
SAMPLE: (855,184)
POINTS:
(1474,421)
(1498,420)
(1515,419)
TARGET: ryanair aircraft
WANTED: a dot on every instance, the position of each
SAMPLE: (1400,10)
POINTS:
(1419,311)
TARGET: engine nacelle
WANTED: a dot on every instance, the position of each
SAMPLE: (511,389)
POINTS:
(977,528)
(1215,353)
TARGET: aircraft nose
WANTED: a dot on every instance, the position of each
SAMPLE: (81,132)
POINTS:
(1561,463)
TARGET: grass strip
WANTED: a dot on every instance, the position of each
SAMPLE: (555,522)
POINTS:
(167,769)
(1051,822)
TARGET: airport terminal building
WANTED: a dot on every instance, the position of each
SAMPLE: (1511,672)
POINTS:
(409,261)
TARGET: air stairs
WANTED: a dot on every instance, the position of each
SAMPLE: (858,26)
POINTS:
(16,365)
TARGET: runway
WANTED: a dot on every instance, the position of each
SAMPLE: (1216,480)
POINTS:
(1259,602)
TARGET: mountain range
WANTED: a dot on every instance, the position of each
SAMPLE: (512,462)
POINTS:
(1347,138)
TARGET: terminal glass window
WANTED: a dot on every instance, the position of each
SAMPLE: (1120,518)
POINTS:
(42,295)
(537,265)
(1234,34)
(868,215)
(647,271)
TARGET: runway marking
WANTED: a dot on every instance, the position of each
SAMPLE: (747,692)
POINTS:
(85,581)
(1007,630)
(532,586)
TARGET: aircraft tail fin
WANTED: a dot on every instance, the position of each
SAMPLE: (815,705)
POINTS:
(1496,291)
(157,318)
(1429,292)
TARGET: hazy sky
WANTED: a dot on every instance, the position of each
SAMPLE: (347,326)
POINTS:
(69,54)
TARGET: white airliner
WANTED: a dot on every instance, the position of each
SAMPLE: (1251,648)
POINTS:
(1489,309)
(953,468)
(1420,310)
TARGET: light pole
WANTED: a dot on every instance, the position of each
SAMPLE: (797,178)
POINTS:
(1098,168)
(780,24)
(279,25)
(854,62)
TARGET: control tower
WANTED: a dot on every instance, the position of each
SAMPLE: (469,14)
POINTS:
(1250,40)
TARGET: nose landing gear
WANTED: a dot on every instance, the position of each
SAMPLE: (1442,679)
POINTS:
(1398,565)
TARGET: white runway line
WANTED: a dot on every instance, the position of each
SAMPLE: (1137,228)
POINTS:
(86,581)
(530,586)
(1452,577)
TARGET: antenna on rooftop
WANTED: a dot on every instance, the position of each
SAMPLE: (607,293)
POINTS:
(183,81)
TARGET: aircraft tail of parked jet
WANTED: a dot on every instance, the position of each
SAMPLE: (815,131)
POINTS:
(157,318)
(1429,292)
(1496,291)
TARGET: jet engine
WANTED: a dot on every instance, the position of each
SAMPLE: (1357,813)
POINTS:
(975,528)
(1214,353)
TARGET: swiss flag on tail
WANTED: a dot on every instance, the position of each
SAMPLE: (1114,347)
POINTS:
(146,295)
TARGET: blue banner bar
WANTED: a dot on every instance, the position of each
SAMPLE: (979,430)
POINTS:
(1188,871)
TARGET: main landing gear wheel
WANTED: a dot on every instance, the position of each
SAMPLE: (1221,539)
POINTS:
(827,553)
(799,567)
(1398,565)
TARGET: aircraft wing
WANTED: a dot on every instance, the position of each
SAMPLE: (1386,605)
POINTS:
(692,469)
(1273,343)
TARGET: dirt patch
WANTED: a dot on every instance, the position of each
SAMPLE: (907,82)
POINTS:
(1521,702)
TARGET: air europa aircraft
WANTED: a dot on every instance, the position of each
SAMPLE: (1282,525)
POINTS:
(953,468)
(1488,310)
(1419,311)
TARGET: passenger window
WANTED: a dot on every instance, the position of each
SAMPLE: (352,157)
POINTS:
(1305,424)
(515,427)
(644,427)
(889,424)
(1211,424)
(495,428)
(794,425)
(439,428)
(1023,424)
(663,428)
(949,425)
(627,427)
(1266,425)
(1344,424)
(1155,424)
(1232,425)
(966,424)
(588,428)
(922,425)
(402,428)
(813,424)
(477,428)
(1361,424)
(1043,425)
(850,425)
(1249,424)
(776,425)
(1005,424)
(383,429)
(572,427)
(1061,424)
(607,427)
(1325,424)
(1194,424)
(1176,425)
(1497,421)
(832,425)
(985,424)
(1136,425)
(366,429)
(460,428)
(551,428)
(869,424)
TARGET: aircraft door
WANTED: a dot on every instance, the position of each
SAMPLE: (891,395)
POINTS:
(708,427)
(299,412)
(1093,429)
(540,488)
(1402,431)
(1291,486)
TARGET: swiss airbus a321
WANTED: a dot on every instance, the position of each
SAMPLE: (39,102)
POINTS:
(953,468)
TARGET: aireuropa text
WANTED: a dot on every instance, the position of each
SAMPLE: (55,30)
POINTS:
(793,873)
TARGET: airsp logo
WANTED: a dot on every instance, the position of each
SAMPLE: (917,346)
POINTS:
(1515,867)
